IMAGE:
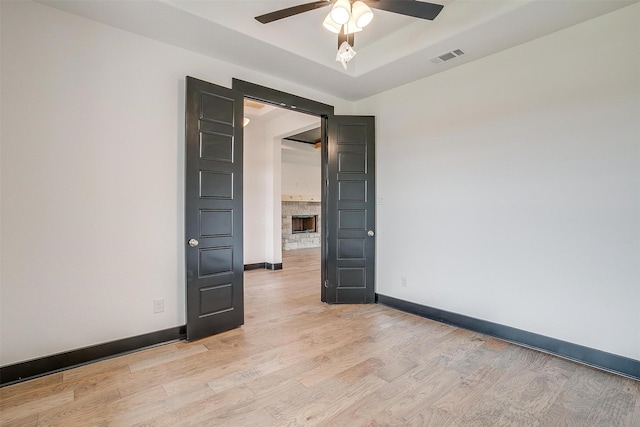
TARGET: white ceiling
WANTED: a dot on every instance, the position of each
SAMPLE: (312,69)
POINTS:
(391,51)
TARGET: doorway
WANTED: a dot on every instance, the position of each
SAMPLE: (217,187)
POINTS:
(348,195)
(214,202)
(322,111)
(282,183)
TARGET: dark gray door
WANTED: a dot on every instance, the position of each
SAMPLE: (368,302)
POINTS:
(350,210)
(213,211)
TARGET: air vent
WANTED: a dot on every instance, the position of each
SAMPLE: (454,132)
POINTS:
(447,56)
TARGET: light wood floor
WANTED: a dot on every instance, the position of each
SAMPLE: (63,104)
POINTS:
(300,362)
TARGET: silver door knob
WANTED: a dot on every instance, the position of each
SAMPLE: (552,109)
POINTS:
(371,233)
(193,243)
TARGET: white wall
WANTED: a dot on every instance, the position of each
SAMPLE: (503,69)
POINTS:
(92,179)
(256,183)
(301,173)
(511,186)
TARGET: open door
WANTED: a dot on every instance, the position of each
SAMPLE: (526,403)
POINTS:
(213,209)
(350,210)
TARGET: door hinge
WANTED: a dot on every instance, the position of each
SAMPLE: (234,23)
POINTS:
(326,283)
(327,183)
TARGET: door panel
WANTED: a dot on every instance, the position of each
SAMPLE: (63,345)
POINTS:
(350,198)
(213,209)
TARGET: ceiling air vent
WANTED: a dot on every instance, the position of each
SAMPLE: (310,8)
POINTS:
(447,56)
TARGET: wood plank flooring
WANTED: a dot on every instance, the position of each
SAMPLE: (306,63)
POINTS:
(297,361)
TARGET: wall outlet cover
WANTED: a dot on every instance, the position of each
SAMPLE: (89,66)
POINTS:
(158,305)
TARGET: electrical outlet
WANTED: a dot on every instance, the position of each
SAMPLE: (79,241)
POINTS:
(158,305)
(403,282)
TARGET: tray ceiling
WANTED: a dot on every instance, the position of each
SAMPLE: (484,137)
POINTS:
(393,50)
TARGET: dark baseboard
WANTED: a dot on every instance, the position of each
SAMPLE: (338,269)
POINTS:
(260,265)
(597,358)
(274,267)
(35,368)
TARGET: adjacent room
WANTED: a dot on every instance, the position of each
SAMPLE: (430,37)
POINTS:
(283,181)
(372,212)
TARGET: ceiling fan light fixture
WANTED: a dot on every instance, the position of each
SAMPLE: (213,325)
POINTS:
(361,14)
(345,54)
(341,12)
(330,25)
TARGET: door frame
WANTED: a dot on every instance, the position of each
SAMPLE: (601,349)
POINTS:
(303,105)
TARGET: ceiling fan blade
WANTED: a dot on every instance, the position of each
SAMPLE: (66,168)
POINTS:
(291,11)
(417,9)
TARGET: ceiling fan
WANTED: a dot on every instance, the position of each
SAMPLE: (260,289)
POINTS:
(350,16)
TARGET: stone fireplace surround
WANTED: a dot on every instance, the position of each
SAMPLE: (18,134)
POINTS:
(300,240)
